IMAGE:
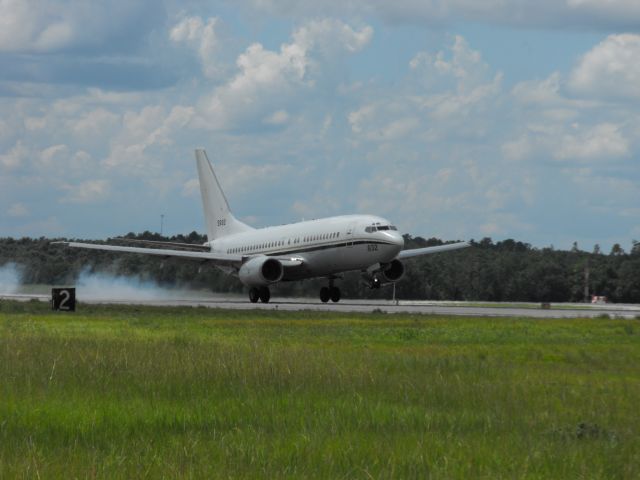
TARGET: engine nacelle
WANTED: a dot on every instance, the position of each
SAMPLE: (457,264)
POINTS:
(393,271)
(261,271)
(379,275)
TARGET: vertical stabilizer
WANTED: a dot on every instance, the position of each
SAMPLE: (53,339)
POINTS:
(217,214)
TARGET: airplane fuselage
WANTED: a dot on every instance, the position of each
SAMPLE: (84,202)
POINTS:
(327,246)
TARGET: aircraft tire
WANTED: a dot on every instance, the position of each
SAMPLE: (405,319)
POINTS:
(254,295)
(334,293)
(324,294)
(265,294)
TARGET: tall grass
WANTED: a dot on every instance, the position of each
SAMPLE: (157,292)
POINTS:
(122,392)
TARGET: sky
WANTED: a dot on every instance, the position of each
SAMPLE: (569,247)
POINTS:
(456,119)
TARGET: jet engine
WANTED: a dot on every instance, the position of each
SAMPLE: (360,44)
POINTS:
(393,271)
(383,274)
(260,271)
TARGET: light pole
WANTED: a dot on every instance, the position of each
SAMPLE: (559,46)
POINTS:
(161,223)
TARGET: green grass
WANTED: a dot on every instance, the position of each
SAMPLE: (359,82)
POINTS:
(141,392)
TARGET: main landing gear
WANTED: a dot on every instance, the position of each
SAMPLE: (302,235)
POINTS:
(330,293)
(263,294)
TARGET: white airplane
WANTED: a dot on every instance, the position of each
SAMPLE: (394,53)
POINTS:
(261,257)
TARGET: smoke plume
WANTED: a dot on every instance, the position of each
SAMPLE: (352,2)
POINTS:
(9,278)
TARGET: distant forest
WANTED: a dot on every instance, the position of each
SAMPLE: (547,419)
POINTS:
(488,271)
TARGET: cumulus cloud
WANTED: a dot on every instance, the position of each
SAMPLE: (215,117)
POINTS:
(89,191)
(200,35)
(279,117)
(98,121)
(15,156)
(611,69)
(30,26)
(444,94)
(461,62)
(602,141)
(151,126)
(268,79)
(49,155)
(54,25)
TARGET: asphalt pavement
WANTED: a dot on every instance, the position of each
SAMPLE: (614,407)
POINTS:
(235,302)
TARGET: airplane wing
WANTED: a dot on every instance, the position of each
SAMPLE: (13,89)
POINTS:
(223,259)
(219,258)
(194,247)
(415,252)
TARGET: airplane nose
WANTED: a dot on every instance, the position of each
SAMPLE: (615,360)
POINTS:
(397,239)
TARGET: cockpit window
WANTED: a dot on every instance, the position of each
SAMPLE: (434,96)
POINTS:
(376,227)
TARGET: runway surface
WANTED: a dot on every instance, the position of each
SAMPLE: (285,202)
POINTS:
(555,310)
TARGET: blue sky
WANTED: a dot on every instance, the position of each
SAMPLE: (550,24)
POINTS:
(457,119)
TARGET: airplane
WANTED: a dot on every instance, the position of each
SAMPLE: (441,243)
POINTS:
(262,257)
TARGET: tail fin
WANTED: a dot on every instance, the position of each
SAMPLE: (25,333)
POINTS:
(217,214)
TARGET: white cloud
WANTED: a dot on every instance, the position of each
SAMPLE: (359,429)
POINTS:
(442,97)
(240,179)
(191,188)
(331,36)
(464,64)
(267,79)
(17,210)
(151,126)
(53,25)
(49,155)
(358,118)
(89,191)
(94,122)
(15,156)
(539,92)
(202,37)
(611,69)
(518,149)
(279,117)
(602,141)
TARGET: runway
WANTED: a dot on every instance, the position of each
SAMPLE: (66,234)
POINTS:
(484,309)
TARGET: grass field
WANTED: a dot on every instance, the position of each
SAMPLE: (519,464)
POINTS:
(126,392)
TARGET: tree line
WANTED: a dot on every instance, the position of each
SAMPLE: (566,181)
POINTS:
(506,270)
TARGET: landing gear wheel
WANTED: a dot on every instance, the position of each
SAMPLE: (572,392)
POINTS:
(254,295)
(334,293)
(324,294)
(265,294)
